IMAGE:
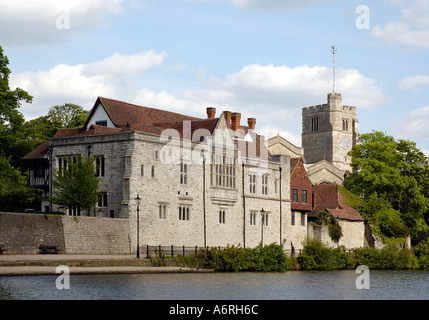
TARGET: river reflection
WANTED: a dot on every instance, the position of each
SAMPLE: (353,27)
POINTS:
(318,285)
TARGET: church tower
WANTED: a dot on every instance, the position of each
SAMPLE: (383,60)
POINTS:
(329,131)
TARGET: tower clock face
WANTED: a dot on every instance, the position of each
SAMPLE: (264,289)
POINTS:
(346,143)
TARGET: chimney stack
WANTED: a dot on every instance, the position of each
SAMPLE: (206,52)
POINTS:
(211,112)
(235,120)
(251,123)
(228,118)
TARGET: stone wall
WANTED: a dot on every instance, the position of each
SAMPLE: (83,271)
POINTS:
(89,235)
(23,233)
(353,234)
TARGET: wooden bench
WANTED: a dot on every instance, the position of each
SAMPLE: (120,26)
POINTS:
(44,249)
(1,249)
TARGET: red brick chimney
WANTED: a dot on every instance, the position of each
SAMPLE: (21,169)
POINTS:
(251,123)
(235,120)
(211,112)
(228,118)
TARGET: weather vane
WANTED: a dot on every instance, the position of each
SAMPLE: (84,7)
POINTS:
(333,50)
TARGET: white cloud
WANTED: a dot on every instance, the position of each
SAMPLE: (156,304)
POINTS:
(411,30)
(274,95)
(414,83)
(125,64)
(35,22)
(414,125)
(82,83)
(274,4)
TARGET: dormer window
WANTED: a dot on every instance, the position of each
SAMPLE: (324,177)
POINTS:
(101,123)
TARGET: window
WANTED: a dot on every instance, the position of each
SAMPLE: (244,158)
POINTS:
(184,213)
(102,200)
(99,166)
(162,211)
(292,222)
(156,154)
(315,124)
(302,219)
(252,183)
(253,216)
(101,123)
(265,184)
(222,172)
(304,196)
(183,173)
(265,218)
(276,186)
(62,162)
(221,216)
(295,195)
(345,125)
(142,170)
(39,170)
(152,172)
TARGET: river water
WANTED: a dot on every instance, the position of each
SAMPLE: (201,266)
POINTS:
(303,285)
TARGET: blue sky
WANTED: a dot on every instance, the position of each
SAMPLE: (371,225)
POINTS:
(263,58)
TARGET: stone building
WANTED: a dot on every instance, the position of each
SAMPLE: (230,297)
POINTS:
(329,131)
(203,182)
(328,197)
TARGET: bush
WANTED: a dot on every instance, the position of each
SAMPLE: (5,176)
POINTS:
(235,258)
(422,253)
(318,256)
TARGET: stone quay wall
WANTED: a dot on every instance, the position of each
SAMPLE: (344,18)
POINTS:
(23,233)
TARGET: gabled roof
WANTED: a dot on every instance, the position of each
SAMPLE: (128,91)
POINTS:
(327,197)
(123,114)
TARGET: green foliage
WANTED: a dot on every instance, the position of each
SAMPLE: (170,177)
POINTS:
(422,253)
(15,195)
(393,179)
(75,186)
(318,256)
(335,230)
(235,258)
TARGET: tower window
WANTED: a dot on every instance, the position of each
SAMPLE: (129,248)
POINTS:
(315,124)
(345,125)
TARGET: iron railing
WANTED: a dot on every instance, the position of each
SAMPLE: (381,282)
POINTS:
(174,251)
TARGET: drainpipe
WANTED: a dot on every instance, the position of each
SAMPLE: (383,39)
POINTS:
(280,190)
(244,206)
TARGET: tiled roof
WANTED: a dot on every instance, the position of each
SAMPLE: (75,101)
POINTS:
(38,153)
(327,197)
(123,114)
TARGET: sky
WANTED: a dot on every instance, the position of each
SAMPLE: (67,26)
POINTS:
(266,59)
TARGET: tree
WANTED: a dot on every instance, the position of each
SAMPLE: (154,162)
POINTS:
(11,120)
(393,173)
(15,195)
(74,185)
(68,115)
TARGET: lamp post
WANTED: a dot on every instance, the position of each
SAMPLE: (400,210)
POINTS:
(262,226)
(138,201)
